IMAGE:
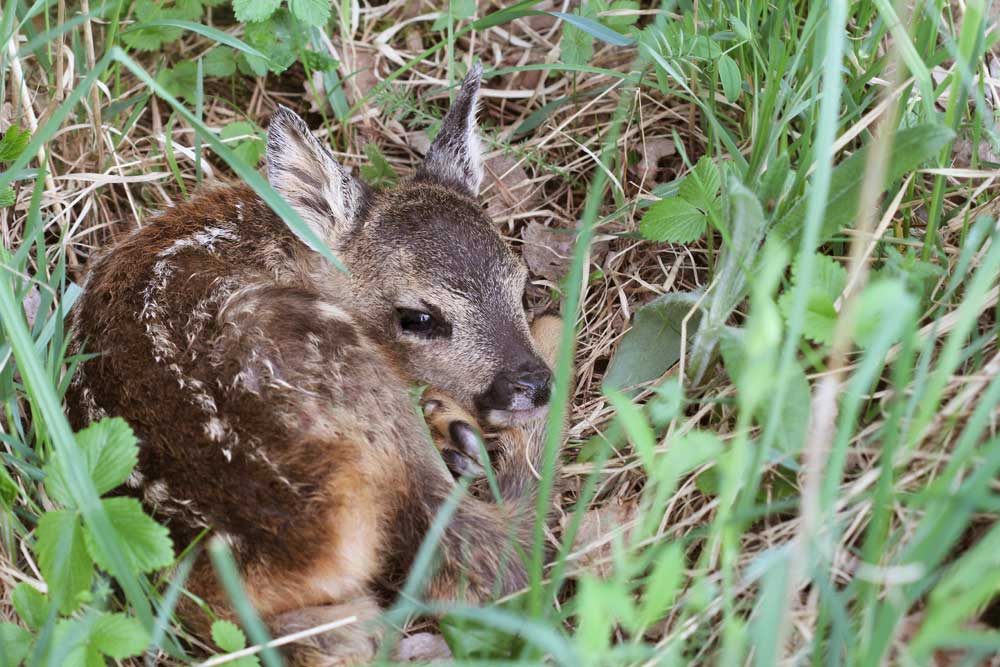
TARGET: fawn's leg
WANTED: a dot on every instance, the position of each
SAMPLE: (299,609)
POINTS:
(351,644)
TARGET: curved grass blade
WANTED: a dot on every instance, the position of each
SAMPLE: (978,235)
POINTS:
(213,34)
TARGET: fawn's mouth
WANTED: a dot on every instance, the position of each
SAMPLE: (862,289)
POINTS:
(504,418)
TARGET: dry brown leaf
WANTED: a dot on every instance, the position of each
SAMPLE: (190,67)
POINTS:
(653,150)
(599,528)
(507,188)
(547,252)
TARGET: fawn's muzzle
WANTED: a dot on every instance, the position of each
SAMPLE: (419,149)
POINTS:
(525,388)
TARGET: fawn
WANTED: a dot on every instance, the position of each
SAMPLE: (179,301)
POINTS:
(271,391)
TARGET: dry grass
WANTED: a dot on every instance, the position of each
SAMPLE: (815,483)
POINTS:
(103,180)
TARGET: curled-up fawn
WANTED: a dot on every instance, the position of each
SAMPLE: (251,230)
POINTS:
(271,391)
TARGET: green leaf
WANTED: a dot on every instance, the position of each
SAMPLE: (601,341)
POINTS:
(311,12)
(8,488)
(661,585)
(181,80)
(15,644)
(729,75)
(220,61)
(796,409)
(30,604)
(216,35)
(912,147)
(593,28)
(251,148)
(378,172)
(280,38)
(829,280)
(701,187)
(673,220)
(109,449)
(653,344)
(228,636)
(774,181)
(119,636)
(62,557)
(146,544)
(7,196)
(251,11)
(144,38)
(880,299)
(576,46)
(619,23)
(13,143)
(457,10)
(319,62)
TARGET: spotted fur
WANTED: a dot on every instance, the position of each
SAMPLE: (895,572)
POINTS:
(271,393)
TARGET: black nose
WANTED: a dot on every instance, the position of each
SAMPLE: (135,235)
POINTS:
(522,389)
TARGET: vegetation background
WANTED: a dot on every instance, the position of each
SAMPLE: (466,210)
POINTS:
(772,222)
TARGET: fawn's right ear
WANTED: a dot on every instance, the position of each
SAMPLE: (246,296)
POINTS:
(304,172)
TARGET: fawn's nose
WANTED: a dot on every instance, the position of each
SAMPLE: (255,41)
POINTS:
(524,388)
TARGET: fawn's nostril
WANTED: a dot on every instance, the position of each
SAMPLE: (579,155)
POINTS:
(533,381)
(524,389)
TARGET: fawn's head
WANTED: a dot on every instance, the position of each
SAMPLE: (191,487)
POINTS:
(431,278)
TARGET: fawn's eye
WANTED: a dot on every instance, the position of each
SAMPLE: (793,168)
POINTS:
(421,323)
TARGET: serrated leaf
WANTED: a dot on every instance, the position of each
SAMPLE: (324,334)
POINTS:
(829,279)
(15,644)
(145,37)
(311,12)
(62,557)
(673,220)
(7,196)
(319,62)
(30,604)
(13,143)
(220,61)
(653,344)
(228,636)
(251,149)
(619,23)
(250,11)
(729,75)
(181,80)
(456,10)
(280,38)
(119,636)
(701,186)
(146,544)
(576,47)
(109,449)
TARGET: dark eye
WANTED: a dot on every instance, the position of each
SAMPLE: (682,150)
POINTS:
(421,323)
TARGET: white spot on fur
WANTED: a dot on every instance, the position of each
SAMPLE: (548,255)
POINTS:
(156,493)
(134,479)
(215,429)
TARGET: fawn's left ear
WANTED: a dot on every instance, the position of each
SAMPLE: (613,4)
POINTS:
(302,169)
(455,157)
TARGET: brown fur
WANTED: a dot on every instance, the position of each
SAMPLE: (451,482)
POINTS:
(271,397)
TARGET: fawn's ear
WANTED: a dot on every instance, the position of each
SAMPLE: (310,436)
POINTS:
(303,171)
(456,157)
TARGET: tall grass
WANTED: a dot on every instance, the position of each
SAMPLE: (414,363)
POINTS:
(794,457)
